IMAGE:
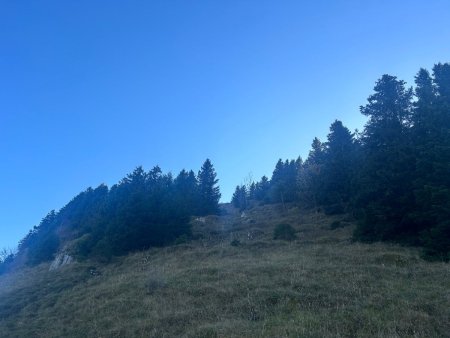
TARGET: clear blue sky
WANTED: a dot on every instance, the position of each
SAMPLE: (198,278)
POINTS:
(91,89)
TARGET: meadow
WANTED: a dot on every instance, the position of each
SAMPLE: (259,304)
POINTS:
(234,280)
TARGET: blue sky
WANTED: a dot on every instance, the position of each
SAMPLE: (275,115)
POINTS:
(91,89)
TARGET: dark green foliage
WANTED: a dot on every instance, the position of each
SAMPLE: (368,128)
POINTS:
(339,167)
(310,178)
(252,191)
(261,192)
(431,184)
(144,209)
(285,232)
(404,188)
(144,213)
(385,193)
(336,224)
(326,178)
(394,177)
(235,242)
(240,198)
(436,241)
(317,154)
(209,193)
(283,185)
(42,242)
(186,191)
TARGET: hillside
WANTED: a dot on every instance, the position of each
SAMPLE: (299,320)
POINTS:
(234,280)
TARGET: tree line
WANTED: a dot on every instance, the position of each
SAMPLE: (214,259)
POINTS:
(143,210)
(394,176)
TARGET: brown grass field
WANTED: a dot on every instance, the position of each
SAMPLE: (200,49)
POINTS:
(318,285)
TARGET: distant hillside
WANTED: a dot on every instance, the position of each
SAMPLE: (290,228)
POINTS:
(154,255)
(232,279)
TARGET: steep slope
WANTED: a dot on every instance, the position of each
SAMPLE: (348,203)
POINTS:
(234,280)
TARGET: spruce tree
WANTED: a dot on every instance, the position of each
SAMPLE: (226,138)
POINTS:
(338,168)
(385,186)
(310,176)
(262,190)
(431,132)
(283,184)
(186,191)
(209,192)
(240,197)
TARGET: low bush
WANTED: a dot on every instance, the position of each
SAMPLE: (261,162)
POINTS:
(235,242)
(285,232)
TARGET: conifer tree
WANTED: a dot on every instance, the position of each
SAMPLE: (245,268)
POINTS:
(262,189)
(385,190)
(283,185)
(252,191)
(209,192)
(338,168)
(186,191)
(431,132)
(310,176)
(240,197)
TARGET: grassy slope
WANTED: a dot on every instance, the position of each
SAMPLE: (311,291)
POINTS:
(320,285)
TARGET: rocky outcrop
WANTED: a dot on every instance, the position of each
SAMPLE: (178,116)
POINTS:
(60,260)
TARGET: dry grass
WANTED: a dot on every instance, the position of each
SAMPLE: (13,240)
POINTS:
(320,285)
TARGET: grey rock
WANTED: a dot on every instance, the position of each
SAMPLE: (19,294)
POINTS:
(60,260)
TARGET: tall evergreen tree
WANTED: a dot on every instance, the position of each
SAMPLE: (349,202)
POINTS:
(316,155)
(431,132)
(252,191)
(310,176)
(283,185)
(262,190)
(240,197)
(338,168)
(209,192)
(385,191)
(186,191)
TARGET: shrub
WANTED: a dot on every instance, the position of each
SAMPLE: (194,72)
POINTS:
(336,224)
(235,242)
(285,232)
